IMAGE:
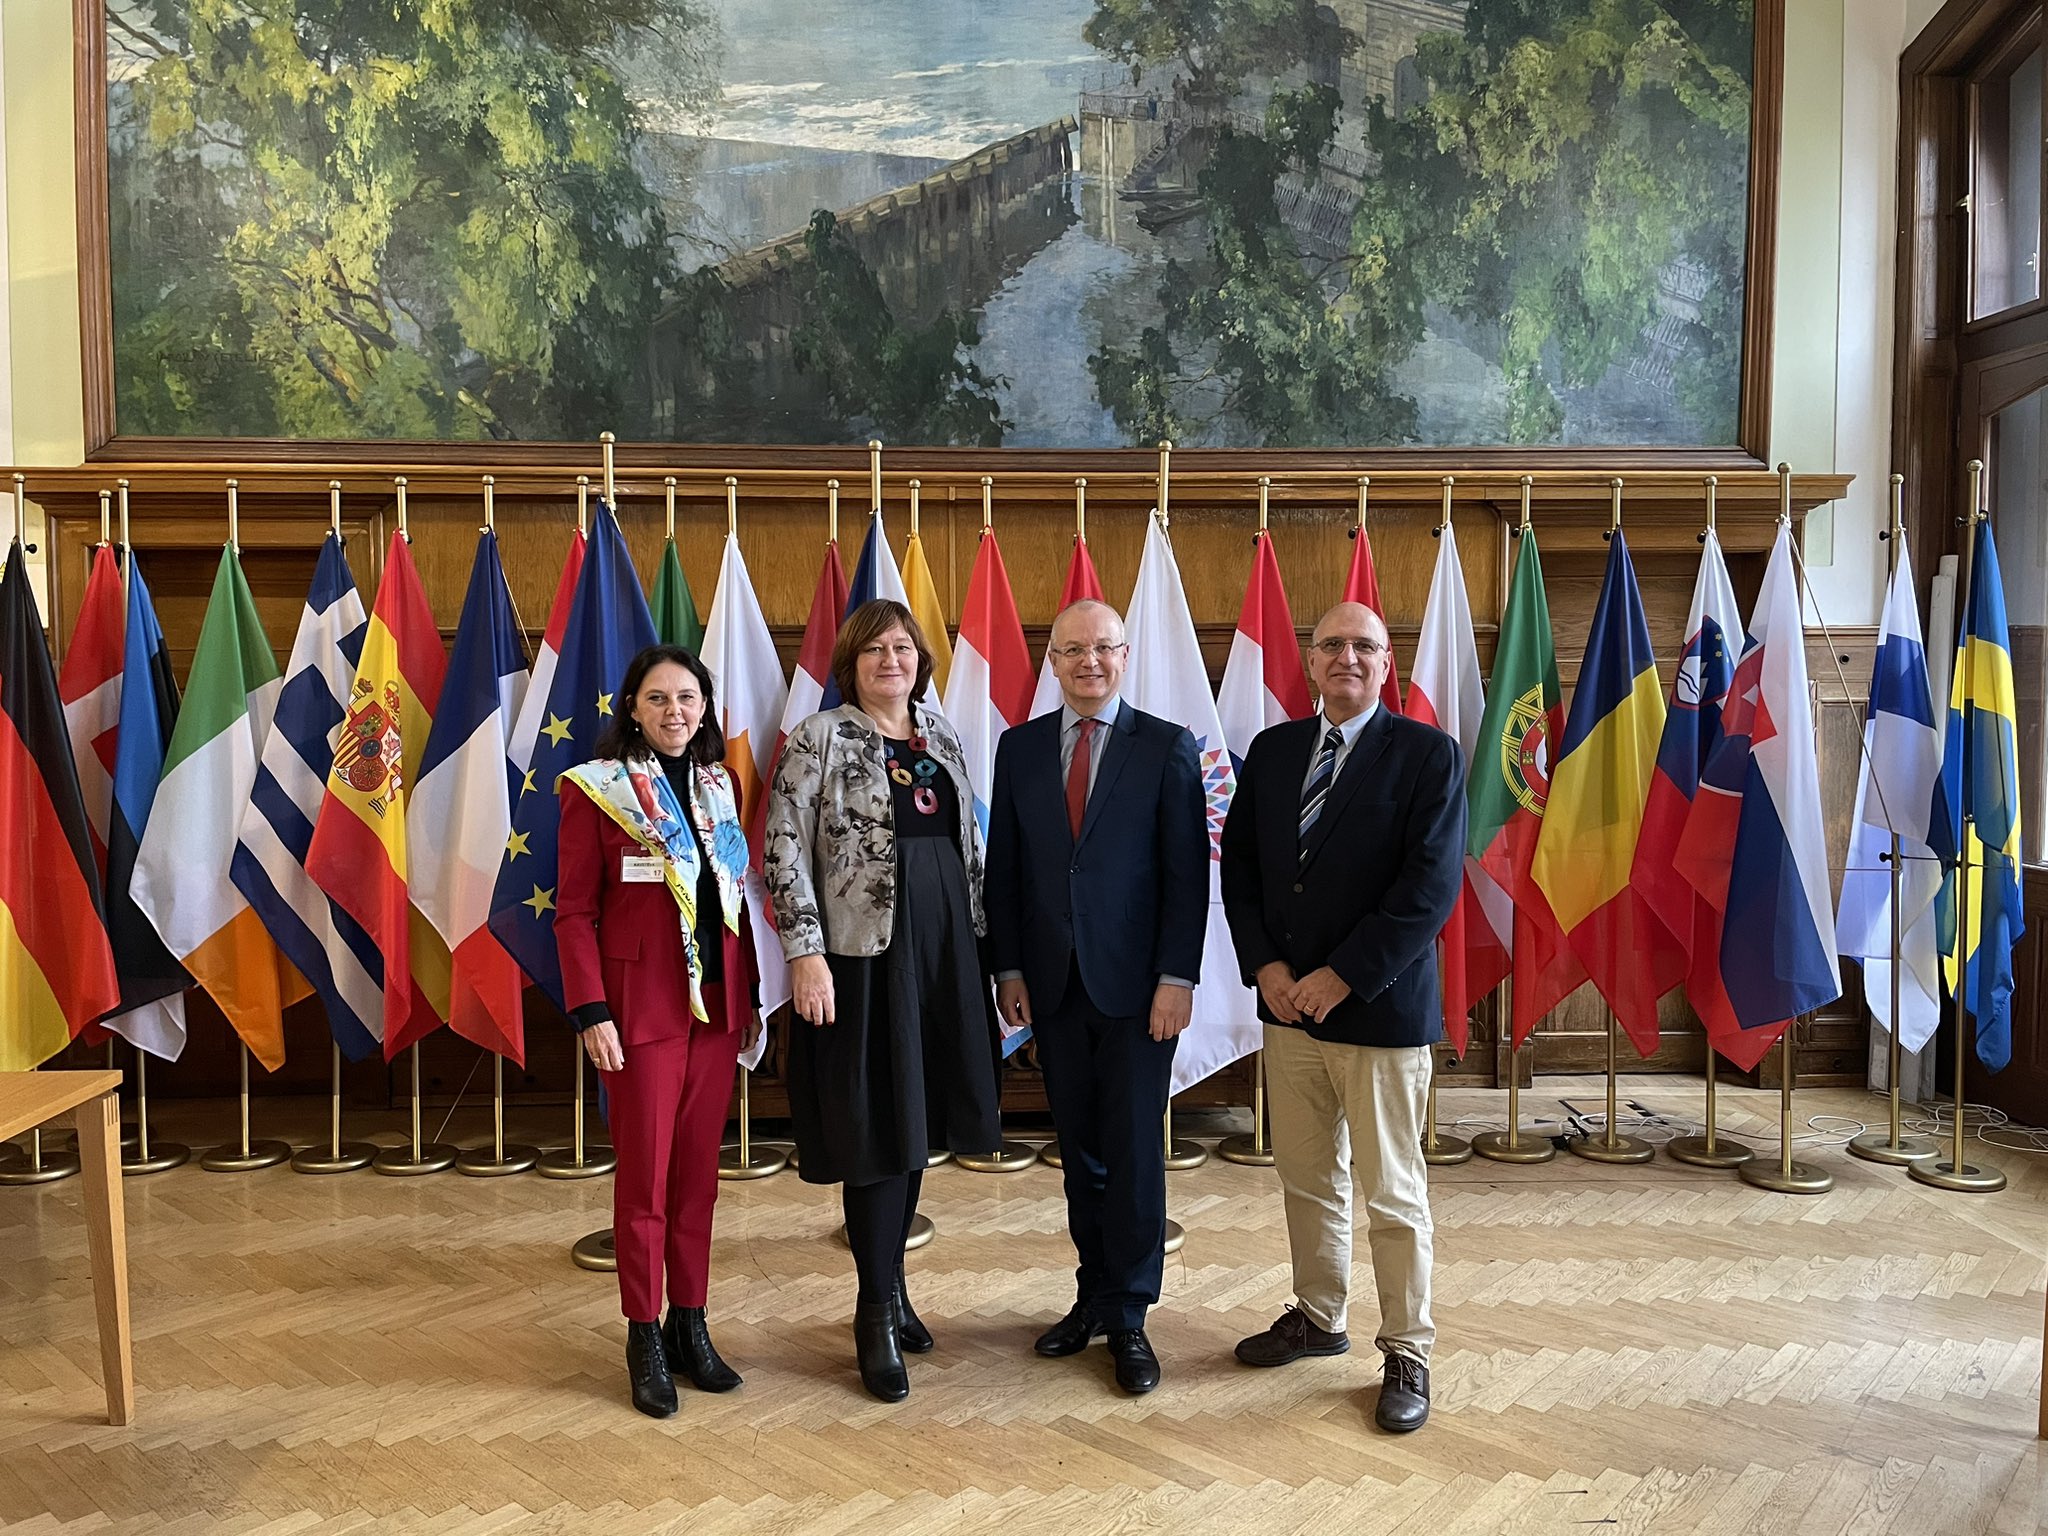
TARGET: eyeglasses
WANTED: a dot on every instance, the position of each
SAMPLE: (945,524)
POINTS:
(1335,646)
(877,652)
(1101,650)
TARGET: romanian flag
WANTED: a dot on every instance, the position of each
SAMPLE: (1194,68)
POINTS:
(184,873)
(931,614)
(1586,851)
(360,853)
(1081,582)
(56,966)
(1979,919)
(1362,585)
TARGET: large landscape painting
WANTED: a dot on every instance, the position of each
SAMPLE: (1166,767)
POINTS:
(1041,223)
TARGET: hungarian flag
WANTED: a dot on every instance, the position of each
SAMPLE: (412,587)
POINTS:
(990,689)
(361,853)
(184,874)
(1081,582)
(56,966)
(1362,585)
(460,813)
(1263,683)
(1508,786)
(930,612)
(89,684)
(1692,733)
(675,609)
(1594,819)
(152,1016)
(1445,691)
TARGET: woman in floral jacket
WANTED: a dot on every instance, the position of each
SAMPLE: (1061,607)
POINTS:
(874,864)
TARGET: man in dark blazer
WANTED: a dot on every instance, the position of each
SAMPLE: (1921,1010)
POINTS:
(1342,856)
(1098,900)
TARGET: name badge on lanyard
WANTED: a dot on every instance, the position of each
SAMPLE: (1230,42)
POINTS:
(640,869)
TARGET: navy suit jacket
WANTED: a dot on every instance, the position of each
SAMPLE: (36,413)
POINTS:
(1128,899)
(1382,870)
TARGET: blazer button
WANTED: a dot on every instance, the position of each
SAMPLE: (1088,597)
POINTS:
(1297,888)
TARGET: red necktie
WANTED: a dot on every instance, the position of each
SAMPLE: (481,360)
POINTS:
(1077,780)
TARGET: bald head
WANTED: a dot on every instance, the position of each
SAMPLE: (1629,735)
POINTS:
(1088,655)
(1089,614)
(1348,660)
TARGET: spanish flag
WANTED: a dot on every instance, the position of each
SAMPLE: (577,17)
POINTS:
(359,855)
(56,966)
(1594,816)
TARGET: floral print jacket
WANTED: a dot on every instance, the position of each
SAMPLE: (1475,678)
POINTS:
(830,860)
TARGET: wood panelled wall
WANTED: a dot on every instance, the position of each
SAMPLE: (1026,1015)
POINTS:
(178,520)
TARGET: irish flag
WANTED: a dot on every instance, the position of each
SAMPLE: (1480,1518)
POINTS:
(1445,691)
(182,881)
(360,855)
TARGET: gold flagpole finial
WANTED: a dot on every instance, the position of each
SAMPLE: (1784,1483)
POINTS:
(127,549)
(611,486)
(988,499)
(333,507)
(490,503)
(732,505)
(668,491)
(874,474)
(1364,491)
(1444,521)
(106,517)
(583,504)
(913,507)
(1613,507)
(1080,510)
(1165,477)
(1265,490)
(1785,493)
(234,517)
(1528,494)
(404,531)
(1711,484)
(832,511)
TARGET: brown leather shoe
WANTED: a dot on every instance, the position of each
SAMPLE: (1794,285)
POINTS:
(1290,1337)
(1404,1395)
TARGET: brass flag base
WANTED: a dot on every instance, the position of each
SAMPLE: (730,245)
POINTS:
(38,1165)
(1443,1151)
(921,1232)
(1246,1150)
(1878,1147)
(1176,1236)
(404,1161)
(755,1161)
(563,1163)
(1512,1147)
(938,1155)
(1785,1178)
(1973,1179)
(1182,1154)
(1709,1152)
(1008,1157)
(1610,1148)
(494,1162)
(245,1157)
(1049,1154)
(596,1251)
(328,1158)
(161,1157)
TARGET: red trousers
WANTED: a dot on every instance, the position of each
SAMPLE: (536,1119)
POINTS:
(667,1118)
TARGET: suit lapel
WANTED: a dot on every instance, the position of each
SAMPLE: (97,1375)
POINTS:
(1372,741)
(1115,746)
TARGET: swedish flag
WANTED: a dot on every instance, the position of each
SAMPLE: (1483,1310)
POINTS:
(1978,918)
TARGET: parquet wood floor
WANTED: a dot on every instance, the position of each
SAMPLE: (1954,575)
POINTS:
(1651,1349)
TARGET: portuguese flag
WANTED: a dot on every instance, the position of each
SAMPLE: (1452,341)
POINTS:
(1508,783)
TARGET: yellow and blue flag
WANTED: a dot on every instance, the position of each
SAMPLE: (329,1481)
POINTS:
(1594,817)
(1978,919)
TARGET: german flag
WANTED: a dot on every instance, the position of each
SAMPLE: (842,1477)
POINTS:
(56,966)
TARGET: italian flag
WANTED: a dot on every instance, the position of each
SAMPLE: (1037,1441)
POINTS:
(1507,786)
(182,881)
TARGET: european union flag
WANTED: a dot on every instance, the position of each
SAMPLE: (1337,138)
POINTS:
(1980,787)
(609,625)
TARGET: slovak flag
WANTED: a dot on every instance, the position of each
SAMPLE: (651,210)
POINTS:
(990,689)
(1081,582)
(1263,683)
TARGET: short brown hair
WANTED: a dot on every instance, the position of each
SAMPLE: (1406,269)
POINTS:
(863,627)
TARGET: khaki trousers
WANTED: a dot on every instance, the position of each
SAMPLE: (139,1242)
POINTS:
(1343,1114)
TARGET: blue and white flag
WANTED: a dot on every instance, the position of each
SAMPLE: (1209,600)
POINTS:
(329,948)
(1895,793)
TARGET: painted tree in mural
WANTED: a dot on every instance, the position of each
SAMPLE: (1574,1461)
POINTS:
(408,220)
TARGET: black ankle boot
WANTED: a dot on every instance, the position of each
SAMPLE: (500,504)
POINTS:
(654,1390)
(911,1333)
(687,1342)
(879,1351)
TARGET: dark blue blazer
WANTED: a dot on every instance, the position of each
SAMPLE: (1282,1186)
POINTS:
(1378,879)
(1128,899)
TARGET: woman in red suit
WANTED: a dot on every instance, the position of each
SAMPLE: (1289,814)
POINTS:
(659,970)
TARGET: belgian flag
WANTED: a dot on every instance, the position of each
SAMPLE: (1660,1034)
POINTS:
(56,966)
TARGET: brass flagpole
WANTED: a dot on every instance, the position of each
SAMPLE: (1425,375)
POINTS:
(1439,1151)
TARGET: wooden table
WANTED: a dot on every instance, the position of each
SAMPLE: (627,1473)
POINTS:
(30,1099)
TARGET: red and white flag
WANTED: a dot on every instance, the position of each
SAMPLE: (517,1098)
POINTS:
(90,688)
(1362,585)
(1263,683)
(1081,582)
(990,687)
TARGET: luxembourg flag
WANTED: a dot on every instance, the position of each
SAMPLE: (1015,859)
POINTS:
(1445,691)
(739,652)
(460,813)
(1895,793)
(1168,678)
(875,575)
(1081,582)
(1263,683)
(990,689)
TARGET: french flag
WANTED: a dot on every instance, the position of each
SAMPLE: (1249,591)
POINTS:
(1263,683)
(1081,582)
(990,687)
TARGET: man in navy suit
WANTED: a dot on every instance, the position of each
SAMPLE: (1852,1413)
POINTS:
(1098,900)
(1342,857)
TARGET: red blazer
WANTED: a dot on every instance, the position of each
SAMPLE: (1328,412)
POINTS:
(621,944)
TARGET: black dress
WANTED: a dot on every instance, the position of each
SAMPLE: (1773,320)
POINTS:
(911,1061)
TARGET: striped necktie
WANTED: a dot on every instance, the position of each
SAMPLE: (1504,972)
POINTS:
(1318,789)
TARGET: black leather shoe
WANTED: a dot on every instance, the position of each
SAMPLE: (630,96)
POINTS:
(1070,1335)
(1137,1368)
(1290,1338)
(1404,1395)
(879,1351)
(654,1390)
(911,1333)
(687,1343)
